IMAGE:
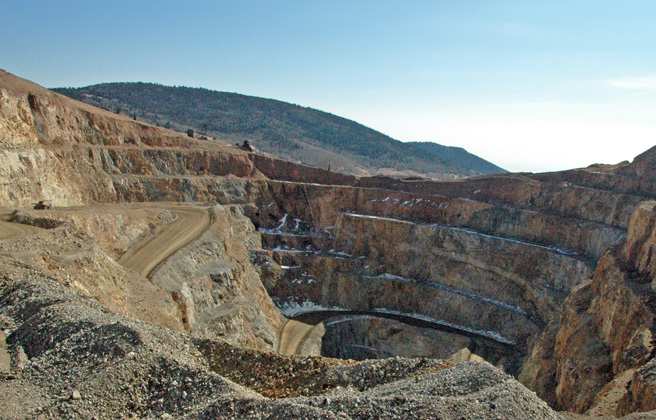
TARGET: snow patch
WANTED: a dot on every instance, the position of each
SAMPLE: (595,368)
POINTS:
(470,295)
(360,346)
(500,238)
(339,255)
(287,249)
(305,279)
(293,307)
(473,232)
(347,319)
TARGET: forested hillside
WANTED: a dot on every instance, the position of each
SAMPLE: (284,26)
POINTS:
(285,130)
(459,156)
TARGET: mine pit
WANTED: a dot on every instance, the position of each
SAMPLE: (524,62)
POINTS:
(180,278)
(452,288)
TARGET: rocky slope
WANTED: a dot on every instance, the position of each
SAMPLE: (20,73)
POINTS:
(548,276)
(602,345)
(103,365)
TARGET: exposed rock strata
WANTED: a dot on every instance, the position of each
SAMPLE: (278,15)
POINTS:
(522,256)
(605,329)
(217,288)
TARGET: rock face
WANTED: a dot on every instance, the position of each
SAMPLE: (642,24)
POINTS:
(551,277)
(605,331)
(476,266)
(209,289)
(217,288)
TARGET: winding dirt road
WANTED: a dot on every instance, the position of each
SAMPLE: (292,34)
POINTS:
(292,335)
(10,230)
(320,315)
(142,257)
(153,250)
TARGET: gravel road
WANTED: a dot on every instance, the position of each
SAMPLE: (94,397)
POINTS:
(146,255)
(292,335)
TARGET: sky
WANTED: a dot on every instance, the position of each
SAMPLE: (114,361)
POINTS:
(529,85)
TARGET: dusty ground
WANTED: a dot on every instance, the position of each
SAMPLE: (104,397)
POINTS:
(152,250)
(292,335)
(10,231)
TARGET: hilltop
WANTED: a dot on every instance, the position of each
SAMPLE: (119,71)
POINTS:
(284,130)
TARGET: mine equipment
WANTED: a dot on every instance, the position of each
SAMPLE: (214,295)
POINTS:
(43,205)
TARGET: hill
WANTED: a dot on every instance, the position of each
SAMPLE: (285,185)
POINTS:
(285,130)
(460,156)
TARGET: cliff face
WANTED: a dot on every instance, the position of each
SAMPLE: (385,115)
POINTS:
(72,154)
(217,288)
(605,330)
(552,276)
(633,335)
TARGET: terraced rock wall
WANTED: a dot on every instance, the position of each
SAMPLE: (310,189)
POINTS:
(462,262)
(605,331)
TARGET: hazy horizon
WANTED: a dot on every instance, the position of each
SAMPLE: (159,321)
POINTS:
(527,86)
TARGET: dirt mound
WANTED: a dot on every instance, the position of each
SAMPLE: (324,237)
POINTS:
(73,359)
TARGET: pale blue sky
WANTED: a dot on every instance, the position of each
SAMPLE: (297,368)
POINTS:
(528,85)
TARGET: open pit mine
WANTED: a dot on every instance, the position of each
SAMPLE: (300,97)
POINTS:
(175,277)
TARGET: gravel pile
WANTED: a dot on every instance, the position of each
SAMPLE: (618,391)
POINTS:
(73,359)
(278,376)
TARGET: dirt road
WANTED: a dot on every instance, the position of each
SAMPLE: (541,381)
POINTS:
(14,230)
(4,355)
(153,250)
(292,335)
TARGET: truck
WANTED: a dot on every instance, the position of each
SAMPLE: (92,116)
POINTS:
(43,205)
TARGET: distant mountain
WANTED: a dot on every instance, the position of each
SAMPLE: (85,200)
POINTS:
(460,156)
(284,130)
